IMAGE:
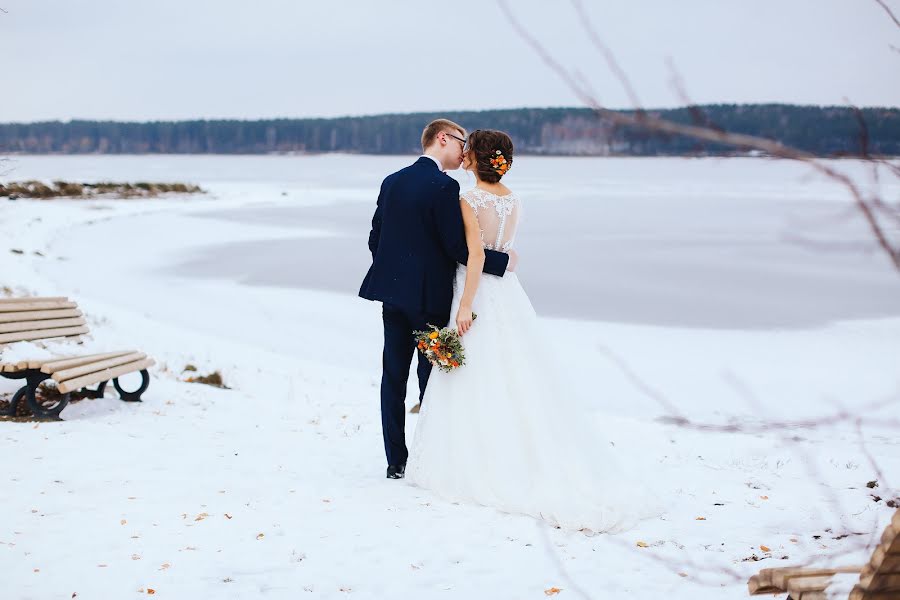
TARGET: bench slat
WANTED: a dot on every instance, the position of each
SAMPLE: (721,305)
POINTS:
(104,375)
(29,336)
(40,315)
(35,325)
(23,306)
(34,299)
(22,365)
(94,366)
(58,364)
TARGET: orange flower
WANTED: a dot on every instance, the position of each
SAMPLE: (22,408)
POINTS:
(433,335)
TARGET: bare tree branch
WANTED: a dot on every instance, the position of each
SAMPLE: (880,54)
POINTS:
(889,12)
(640,119)
(614,66)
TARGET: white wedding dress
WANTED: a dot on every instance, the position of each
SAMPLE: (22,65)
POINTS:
(503,430)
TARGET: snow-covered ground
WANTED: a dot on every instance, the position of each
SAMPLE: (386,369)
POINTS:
(275,488)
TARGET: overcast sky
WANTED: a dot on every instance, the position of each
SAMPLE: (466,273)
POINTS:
(179,59)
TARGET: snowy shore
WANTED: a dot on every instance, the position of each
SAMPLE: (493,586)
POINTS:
(275,488)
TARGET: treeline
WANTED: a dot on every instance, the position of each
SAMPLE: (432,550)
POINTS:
(824,131)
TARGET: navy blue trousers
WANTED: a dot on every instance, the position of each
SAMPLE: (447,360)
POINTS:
(399,346)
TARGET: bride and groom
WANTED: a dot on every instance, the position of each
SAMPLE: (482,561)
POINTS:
(503,430)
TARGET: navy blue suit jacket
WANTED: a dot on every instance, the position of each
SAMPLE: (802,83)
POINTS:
(417,239)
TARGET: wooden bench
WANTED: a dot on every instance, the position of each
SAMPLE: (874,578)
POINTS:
(34,319)
(878,580)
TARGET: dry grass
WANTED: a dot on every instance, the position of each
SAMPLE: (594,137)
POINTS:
(66,189)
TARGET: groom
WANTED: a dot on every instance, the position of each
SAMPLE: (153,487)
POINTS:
(417,239)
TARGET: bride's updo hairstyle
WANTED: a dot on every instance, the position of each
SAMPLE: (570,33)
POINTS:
(492,154)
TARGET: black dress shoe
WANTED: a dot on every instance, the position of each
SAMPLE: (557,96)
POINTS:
(396,471)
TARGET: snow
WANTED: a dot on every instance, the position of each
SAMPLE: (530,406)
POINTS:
(275,488)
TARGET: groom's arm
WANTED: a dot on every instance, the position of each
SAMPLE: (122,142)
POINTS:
(452,233)
(375,234)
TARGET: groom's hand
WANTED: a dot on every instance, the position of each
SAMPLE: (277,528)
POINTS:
(513,260)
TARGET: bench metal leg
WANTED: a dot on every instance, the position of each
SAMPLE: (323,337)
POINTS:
(34,378)
(134,396)
(94,394)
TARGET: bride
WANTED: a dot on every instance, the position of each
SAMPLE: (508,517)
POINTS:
(502,431)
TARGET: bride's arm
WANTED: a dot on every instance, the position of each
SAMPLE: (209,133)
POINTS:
(473,267)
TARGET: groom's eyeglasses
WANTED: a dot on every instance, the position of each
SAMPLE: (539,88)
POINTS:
(456,137)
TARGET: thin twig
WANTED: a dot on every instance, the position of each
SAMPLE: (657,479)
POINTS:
(889,12)
(585,21)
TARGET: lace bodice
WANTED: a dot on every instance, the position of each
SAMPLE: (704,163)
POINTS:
(498,217)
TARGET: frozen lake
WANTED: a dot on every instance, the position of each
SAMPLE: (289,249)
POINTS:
(714,243)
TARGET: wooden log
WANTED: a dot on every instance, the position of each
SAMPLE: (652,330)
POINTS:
(857,593)
(889,534)
(781,577)
(884,562)
(34,299)
(104,375)
(761,583)
(35,325)
(38,315)
(881,582)
(23,306)
(30,336)
(94,366)
(806,583)
(57,364)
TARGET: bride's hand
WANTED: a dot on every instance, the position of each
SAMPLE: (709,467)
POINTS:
(464,319)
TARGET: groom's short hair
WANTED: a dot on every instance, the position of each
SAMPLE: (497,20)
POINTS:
(437,126)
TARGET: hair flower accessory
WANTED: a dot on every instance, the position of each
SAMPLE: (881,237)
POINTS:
(499,163)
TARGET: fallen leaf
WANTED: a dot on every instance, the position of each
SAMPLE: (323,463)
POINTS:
(763,497)
(164,566)
(101,565)
(122,522)
(794,540)
(260,536)
(552,591)
(229,517)
(135,557)
(151,591)
(765,548)
(37,570)
(700,519)
(682,574)
(643,545)
(201,516)
(326,500)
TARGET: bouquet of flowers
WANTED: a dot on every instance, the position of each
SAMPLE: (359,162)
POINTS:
(442,347)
